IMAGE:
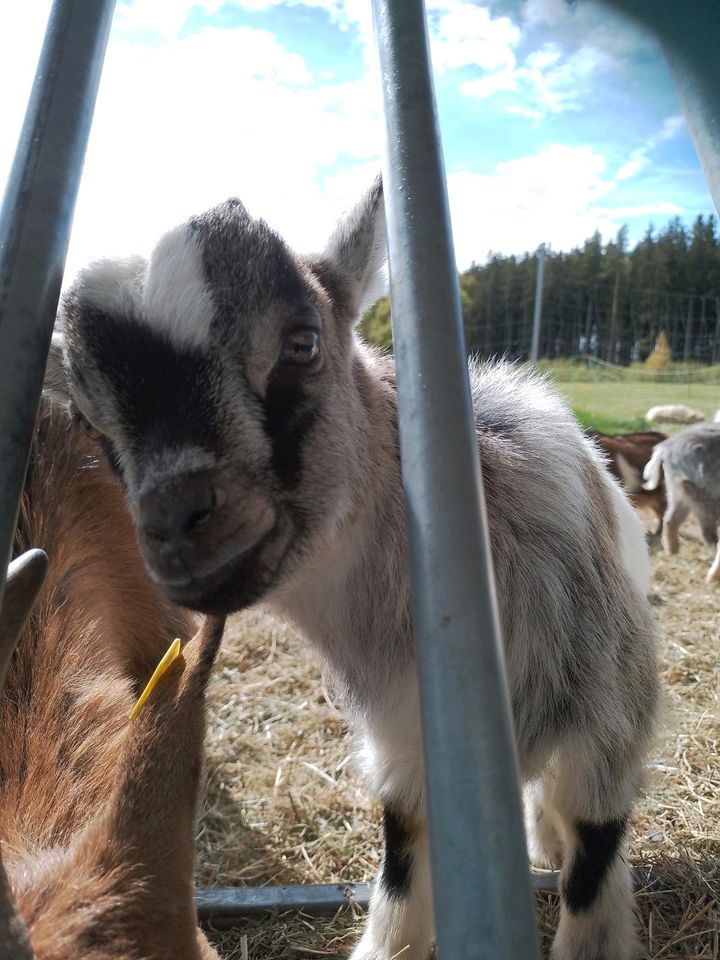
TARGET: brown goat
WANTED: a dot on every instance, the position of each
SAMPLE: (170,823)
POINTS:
(97,813)
(627,454)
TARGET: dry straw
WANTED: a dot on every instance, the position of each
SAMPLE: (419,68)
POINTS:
(285,803)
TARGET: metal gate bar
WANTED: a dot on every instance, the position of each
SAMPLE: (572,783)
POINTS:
(481,886)
(222,906)
(35,227)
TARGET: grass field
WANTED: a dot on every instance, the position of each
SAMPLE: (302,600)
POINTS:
(285,803)
(625,404)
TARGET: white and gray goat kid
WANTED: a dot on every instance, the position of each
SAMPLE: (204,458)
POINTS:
(690,464)
(256,437)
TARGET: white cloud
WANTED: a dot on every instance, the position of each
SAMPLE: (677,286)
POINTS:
(552,196)
(671,128)
(22,27)
(592,22)
(488,86)
(548,81)
(185,121)
(545,12)
(182,125)
(464,34)
(161,17)
(559,195)
(640,156)
(638,161)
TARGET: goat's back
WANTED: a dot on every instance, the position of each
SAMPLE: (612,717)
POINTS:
(693,455)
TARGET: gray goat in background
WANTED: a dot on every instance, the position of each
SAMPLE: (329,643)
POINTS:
(690,463)
(256,439)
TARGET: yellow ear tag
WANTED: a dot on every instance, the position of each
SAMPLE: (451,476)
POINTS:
(173,652)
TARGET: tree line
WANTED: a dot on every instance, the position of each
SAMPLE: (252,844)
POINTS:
(602,300)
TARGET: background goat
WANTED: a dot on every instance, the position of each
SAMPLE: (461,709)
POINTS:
(627,454)
(674,413)
(256,437)
(97,814)
(690,465)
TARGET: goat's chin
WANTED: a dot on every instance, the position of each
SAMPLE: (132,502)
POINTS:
(234,586)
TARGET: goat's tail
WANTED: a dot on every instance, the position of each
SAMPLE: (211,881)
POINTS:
(653,472)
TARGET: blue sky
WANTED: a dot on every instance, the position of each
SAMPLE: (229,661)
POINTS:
(557,120)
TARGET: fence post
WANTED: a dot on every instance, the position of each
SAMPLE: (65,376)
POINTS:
(481,886)
(537,313)
(35,226)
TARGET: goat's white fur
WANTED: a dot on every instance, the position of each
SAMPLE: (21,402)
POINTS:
(175,293)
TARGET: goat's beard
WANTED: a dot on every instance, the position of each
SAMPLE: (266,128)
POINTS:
(237,584)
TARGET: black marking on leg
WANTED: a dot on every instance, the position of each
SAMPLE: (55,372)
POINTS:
(598,845)
(398,860)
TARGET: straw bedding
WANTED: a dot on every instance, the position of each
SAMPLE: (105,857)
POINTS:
(285,804)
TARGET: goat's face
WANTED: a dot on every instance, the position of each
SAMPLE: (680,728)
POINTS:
(218,379)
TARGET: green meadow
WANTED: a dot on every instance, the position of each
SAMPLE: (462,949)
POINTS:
(619,406)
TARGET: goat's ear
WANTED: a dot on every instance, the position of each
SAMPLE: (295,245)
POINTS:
(351,265)
(55,384)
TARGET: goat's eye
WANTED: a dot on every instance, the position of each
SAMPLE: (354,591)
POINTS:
(301,347)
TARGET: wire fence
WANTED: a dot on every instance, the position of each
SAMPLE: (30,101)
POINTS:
(580,321)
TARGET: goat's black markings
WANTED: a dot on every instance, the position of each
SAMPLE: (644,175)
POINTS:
(288,417)
(598,845)
(246,265)
(164,392)
(243,582)
(112,457)
(397,864)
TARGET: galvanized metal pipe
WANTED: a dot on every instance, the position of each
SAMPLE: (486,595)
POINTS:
(481,887)
(35,227)
(537,313)
(223,906)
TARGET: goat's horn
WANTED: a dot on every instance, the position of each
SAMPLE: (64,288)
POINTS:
(25,577)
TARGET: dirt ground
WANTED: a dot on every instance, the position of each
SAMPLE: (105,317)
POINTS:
(285,804)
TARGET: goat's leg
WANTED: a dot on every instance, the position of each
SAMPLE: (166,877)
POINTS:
(659,506)
(713,573)
(709,534)
(543,827)
(708,527)
(597,920)
(659,513)
(400,921)
(675,515)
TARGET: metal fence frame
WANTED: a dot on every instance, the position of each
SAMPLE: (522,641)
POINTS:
(477,838)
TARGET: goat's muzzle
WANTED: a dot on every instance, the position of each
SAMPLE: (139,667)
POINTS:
(192,528)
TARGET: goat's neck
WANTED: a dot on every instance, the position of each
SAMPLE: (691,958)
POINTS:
(350,598)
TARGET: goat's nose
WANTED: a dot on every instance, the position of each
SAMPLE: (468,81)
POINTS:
(177,511)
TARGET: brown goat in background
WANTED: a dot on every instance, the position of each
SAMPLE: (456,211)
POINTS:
(97,813)
(627,454)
